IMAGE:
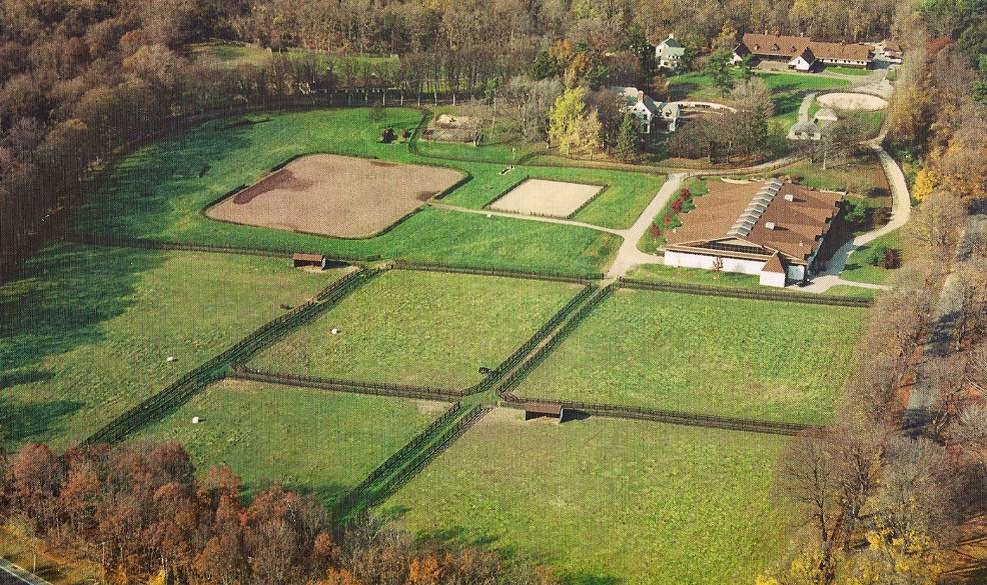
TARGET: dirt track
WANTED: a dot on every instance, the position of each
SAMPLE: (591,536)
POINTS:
(336,195)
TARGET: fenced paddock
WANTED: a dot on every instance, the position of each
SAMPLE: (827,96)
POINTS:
(341,196)
(325,442)
(547,198)
(634,501)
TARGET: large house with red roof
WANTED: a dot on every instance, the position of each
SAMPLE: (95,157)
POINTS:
(802,53)
(772,229)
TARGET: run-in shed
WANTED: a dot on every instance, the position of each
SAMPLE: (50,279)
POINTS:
(543,409)
(300,260)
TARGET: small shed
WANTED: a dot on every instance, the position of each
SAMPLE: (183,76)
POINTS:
(300,260)
(543,409)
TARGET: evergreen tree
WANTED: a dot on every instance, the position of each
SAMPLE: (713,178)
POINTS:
(628,140)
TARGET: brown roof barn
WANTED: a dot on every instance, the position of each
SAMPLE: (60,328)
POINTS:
(757,221)
(789,47)
(300,260)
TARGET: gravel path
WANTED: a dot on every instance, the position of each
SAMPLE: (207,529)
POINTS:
(629,255)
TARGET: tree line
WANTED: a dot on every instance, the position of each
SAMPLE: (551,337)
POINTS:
(144,514)
(878,503)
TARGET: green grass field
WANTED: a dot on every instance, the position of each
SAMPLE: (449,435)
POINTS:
(422,328)
(87,331)
(310,440)
(767,360)
(158,193)
(859,267)
(606,501)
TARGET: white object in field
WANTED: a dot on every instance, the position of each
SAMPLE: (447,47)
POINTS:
(489,215)
(171,358)
(335,331)
(195,420)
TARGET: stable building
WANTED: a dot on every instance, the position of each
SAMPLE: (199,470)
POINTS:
(773,230)
(801,53)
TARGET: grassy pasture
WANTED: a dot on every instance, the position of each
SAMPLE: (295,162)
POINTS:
(86,331)
(159,192)
(314,441)
(422,328)
(765,360)
(606,501)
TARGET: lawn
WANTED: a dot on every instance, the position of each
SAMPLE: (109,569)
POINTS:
(668,274)
(862,176)
(767,360)
(159,192)
(86,331)
(859,267)
(310,440)
(606,501)
(847,70)
(421,328)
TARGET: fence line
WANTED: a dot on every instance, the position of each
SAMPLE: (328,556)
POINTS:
(216,367)
(665,416)
(571,277)
(741,293)
(416,465)
(394,462)
(515,358)
(539,356)
(109,241)
(242,372)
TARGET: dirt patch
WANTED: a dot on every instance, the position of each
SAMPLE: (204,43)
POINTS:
(541,197)
(282,179)
(852,101)
(336,195)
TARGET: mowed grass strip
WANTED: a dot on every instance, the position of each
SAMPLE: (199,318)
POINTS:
(159,192)
(606,501)
(86,332)
(314,441)
(765,360)
(421,328)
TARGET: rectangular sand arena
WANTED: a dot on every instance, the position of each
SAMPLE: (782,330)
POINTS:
(333,195)
(541,197)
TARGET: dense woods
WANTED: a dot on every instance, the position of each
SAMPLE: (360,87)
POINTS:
(142,512)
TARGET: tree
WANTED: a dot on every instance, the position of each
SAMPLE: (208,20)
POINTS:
(718,67)
(628,139)
(564,119)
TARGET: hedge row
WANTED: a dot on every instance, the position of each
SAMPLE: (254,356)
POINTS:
(216,368)
(340,385)
(571,277)
(568,327)
(665,416)
(109,241)
(742,293)
(530,345)
(395,461)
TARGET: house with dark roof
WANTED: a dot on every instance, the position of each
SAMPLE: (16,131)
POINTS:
(802,53)
(773,230)
(651,116)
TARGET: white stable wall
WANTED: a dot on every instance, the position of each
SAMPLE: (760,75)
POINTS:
(686,260)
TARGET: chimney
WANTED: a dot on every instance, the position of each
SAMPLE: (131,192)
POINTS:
(640,97)
(790,197)
(671,35)
(770,225)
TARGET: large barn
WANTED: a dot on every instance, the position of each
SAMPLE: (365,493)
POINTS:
(802,53)
(773,230)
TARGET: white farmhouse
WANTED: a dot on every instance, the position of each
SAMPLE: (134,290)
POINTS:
(651,115)
(669,54)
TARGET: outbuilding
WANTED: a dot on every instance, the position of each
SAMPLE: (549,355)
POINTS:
(543,409)
(302,260)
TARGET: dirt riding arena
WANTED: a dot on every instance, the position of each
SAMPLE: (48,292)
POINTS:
(541,197)
(334,195)
(852,101)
